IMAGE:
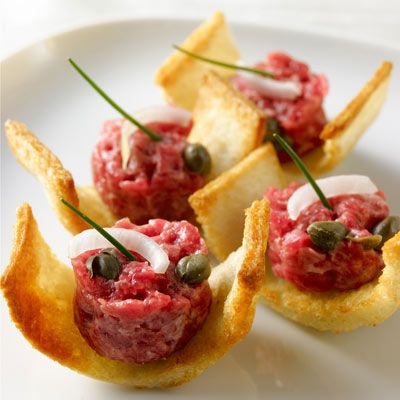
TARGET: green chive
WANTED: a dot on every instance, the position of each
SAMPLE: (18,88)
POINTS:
(224,64)
(135,122)
(296,159)
(102,232)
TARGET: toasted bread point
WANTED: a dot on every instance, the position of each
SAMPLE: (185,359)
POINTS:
(39,290)
(220,205)
(180,76)
(226,123)
(342,133)
(56,180)
(369,305)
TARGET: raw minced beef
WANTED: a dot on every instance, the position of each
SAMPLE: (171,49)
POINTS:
(303,118)
(295,258)
(156,182)
(142,316)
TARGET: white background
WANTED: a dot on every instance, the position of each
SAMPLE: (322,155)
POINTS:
(25,21)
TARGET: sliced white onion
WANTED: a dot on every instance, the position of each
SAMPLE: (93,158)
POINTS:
(163,113)
(160,113)
(273,88)
(90,239)
(305,195)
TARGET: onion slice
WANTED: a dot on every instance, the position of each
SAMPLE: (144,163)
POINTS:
(160,113)
(90,239)
(273,88)
(338,185)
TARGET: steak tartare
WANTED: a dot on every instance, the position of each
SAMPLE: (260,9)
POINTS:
(295,257)
(156,182)
(300,119)
(142,316)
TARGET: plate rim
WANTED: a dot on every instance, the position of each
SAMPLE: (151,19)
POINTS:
(107,21)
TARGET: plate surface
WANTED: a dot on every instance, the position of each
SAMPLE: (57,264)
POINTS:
(278,359)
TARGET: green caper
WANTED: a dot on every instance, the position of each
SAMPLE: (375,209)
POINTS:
(327,234)
(387,228)
(274,127)
(197,158)
(105,264)
(367,242)
(193,269)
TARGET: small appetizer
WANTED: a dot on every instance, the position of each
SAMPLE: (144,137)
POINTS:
(144,167)
(283,88)
(145,317)
(333,250)
(143,307)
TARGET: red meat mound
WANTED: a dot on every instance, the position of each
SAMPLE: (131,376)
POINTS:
(142,316)
(302,118)
(156,182)
(295,258)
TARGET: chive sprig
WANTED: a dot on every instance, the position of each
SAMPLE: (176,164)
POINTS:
(110,101)
(223,64)
(297,160)
(102,231)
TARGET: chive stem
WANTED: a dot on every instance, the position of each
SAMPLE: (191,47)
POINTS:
(224,64)
(134,121)
(102,231)
(296,159)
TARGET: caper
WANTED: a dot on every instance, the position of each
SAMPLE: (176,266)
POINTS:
(197,158)
(367,242)
(327,234)
(105,264)
(274,127)
(387,228)
(193,269)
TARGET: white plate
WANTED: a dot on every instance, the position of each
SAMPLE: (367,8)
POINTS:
(278,359)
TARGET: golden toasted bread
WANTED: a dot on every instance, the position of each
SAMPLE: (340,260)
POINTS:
(180,76)
(369,305)
(220,205)
(56,180)
(39,290)
(226,123)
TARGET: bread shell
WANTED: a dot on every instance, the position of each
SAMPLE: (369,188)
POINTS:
(180,76)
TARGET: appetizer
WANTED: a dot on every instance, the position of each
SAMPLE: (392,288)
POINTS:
(145,317)
(333,250)
(142,304)
(143,167)
(283,88)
